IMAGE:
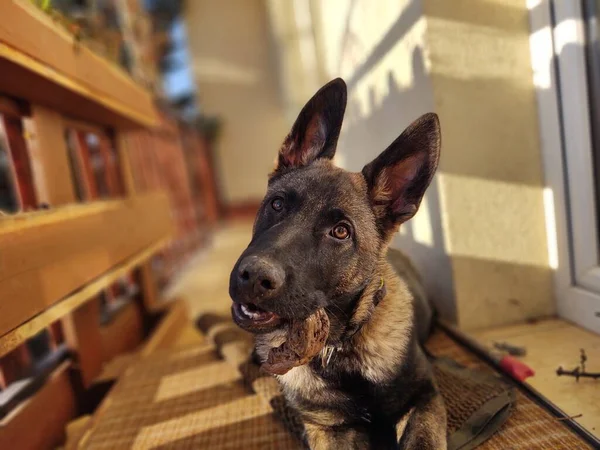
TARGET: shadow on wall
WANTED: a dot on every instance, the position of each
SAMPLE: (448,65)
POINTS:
(364,138)
(498,260)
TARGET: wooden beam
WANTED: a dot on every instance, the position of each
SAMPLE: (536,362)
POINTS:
(40,421)
(123,333)
(85,166)
(82,333)
(148,285)
(12,108)
(13,127)
(110,167)
(13,195)
(17,336)
(125,163)
(13,366)
(55,70)
(49,157)
(47,255)
(168,329)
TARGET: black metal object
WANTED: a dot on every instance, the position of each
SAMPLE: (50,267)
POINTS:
(579,371)
(513,350)
(532,393)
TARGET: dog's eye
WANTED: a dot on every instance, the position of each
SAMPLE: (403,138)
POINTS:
(277,204)
(341,231)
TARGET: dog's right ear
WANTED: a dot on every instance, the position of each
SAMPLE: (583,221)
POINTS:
(398,177)
(317,128)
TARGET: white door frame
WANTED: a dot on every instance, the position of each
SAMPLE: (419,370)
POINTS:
(567,157)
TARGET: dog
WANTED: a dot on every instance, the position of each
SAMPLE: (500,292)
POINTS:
(320,240)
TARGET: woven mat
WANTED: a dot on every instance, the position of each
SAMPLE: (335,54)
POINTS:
(529,426)
(186,399)
(212,397)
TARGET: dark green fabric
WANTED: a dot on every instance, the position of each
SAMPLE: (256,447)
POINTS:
(483,424)
(477,402)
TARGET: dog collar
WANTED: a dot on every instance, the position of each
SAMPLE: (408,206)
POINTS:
(377,297)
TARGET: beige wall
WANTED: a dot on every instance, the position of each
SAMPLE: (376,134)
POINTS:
(231,51)
(491,176)
(380,49)
(479,237)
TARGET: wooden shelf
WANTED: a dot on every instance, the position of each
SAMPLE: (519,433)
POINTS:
(42,63)
(70,254)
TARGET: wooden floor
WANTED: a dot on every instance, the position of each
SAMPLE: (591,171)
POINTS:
(549,343)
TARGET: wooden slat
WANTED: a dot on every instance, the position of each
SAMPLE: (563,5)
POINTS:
(49,156)
(85,166)
(110,166)
(125,161)
(85,85)
(207,178)
(147,279)
(12,108)
(39,422)
(168,329)
(56,335)
(82,333)
(10,173)
(148,286)
(13,365)
(45,256)
(30,328)
(21,161)
(123,333)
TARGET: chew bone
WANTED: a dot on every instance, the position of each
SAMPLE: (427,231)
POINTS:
(305,339)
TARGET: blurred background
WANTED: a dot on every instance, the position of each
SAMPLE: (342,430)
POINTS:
(507,236)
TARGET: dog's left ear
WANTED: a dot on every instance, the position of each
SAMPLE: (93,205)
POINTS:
(317,128)
(398,177)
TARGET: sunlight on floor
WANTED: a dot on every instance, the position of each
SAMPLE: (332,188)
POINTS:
(205,284)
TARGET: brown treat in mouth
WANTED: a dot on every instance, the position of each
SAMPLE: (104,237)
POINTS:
(305,339)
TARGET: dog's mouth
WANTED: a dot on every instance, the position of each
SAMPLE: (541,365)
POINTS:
(252,318)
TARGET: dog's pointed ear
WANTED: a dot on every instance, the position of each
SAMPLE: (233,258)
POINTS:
(317,128)
(398,177)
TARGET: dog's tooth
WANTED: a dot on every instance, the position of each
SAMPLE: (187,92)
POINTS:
(246,311)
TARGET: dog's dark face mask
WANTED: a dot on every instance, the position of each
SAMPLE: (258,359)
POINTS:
(321,231)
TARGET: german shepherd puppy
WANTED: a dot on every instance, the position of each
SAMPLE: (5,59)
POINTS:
(320,241)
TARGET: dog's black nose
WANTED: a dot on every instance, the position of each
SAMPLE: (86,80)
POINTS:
(260,278)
